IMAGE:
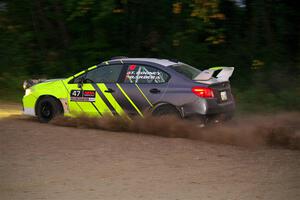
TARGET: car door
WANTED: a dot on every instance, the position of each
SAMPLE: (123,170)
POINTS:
(94,92)
(142,87)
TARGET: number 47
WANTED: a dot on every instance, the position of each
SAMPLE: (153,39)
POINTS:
(76,93)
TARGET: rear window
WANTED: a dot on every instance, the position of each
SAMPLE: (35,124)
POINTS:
(186,70)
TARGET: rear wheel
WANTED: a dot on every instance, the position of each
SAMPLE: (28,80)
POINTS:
(228,116)
(222,117)
(166,110)
(47,108)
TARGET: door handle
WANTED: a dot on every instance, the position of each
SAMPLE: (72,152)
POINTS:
(109,90)
(155,90)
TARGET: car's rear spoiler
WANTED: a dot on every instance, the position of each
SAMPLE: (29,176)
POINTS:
(223,75)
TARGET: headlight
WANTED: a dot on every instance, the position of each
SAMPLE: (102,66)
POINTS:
(29,83)
(28,91)
(25,85)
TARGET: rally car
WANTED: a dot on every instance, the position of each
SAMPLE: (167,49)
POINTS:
(133,86)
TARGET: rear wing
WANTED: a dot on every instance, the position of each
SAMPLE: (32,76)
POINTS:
(223,75)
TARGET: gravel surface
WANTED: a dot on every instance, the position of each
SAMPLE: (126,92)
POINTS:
(44,161)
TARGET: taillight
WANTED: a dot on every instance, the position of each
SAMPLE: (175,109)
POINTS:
(203,92)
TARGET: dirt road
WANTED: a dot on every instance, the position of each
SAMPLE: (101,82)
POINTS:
(44,161)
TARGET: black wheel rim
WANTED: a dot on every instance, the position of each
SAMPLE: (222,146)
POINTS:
(46,110)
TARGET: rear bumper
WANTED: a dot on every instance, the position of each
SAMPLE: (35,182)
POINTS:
(214,108)
(208,107)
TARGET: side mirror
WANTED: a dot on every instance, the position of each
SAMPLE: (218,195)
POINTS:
(80,83)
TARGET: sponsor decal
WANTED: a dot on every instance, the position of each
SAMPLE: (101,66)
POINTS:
(132,67)
(146,75)
(83,95)
(142,74)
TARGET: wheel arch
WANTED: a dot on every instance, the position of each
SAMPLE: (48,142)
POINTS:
(51,96)
(163,104)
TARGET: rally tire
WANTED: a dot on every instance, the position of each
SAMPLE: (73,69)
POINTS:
(48,108)
(228,116)
(166,110)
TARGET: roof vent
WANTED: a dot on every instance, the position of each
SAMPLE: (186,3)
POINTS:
(174,60)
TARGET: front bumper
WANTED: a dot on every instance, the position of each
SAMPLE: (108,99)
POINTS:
(29,111)
(29,101)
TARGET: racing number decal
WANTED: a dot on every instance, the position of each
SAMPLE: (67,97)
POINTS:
(76,93)
(83,95)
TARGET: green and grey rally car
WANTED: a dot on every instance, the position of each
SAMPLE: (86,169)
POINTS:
(133,86)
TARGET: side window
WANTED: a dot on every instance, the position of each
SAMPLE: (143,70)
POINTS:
(103,74)
(145,74)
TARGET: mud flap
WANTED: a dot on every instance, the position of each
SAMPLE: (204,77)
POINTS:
(64,103)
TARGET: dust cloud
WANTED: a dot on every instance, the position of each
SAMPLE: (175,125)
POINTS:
(280,130)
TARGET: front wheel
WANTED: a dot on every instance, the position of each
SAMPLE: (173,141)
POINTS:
(48,108)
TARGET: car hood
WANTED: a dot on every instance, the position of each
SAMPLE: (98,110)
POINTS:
(52,80)
(31,82)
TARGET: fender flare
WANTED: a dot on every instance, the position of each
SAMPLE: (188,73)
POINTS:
(160,104)
(46,95)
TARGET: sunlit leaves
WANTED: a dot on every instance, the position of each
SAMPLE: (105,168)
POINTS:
(177,7)
(206,10)
(257,64)
(201,16)
(82,7)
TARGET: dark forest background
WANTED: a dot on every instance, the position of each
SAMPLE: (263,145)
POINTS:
(54,38)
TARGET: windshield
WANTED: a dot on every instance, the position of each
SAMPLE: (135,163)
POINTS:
(186,70)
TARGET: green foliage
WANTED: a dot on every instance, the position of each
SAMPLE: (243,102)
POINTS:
(11,87)
(53,38)
(261,100)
